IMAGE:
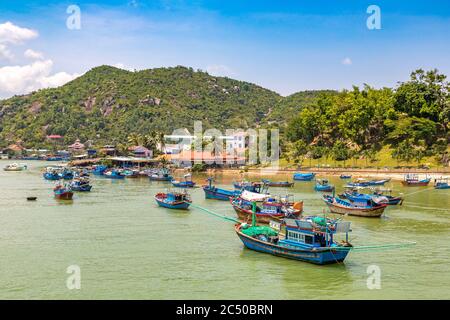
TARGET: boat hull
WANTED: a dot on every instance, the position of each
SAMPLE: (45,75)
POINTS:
(219,194)
(169,178)
(64,196)
(180,205)
(324,188)
(304,177)
(82,189)
(421,183)
(52,177)
(319,256)
(183,185)
(359,212)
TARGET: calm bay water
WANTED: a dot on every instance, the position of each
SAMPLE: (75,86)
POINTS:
(128,248)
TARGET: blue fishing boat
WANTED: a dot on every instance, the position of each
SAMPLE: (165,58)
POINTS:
(345,176)
(173,200)
(278,184)
(361,208)
(160,175)
(256,187)
(212,192)
(113,174)
(441,183)
(309,239)
(187,183)
(304,176)
(52,173)
(66,174)
(323,186)
(54,158)
(80,185)
(99,170)
(377,196)
(377,182)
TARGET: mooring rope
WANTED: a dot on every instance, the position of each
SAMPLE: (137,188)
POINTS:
(216,214)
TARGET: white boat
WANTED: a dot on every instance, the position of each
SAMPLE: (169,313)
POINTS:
(15,167)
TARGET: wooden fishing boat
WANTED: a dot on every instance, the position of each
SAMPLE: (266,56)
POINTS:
(212,192)
(52,173)
(278,184)
(270,209)
(441,183)
(377,196)
(129,173)
(15,167)
(63,192)
(378,182)
(256,187)
(99,170)
(323,186)
(345,176)
(160,175)
(31,198)
(412,180)
(67,174)
(308,239)
(187,183)
(304,176)
(80,185)
(173,200)
(113,174)
(361,209)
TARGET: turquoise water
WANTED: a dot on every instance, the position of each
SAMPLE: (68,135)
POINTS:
(128,248)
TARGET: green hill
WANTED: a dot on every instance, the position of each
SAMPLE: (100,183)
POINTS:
(107,104)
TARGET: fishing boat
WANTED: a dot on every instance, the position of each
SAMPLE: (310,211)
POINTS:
(173,200)
(412,180)
(364,208)
(378,182)
(212,192)
(345,176)
(160,175)
(309,239)
(378,196)
(323,185)
(279,184)
(80,185)
(52,173)
(129,173)
(99,170)
(113,174)
(270,209)
(255,187)
(63,192)
(441,183)
(54,158)
(187,183)
(304,176)
(15,167)
(360,182)
(67,174)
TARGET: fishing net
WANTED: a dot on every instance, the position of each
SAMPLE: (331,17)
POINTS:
(259,230)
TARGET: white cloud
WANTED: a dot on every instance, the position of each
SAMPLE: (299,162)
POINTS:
(10,33)
(27,78)
(34,55)
(347,61)
(219,70)
(5,54)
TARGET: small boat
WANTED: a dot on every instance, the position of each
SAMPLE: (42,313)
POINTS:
(187,183)
(412,180)
(304,176)
(31,198)
(99,170)
(15,167)
(54,158)
(256,187)
(378,182)
(308,239)
(173,200)
(441,183)
(345,176)
(128,173)
(52,174)
(113,174)
(364,208)
(212,192)
(323,186)
(360,182)
(378,196)
(279,184)
(80,185)
(67,174)
(63,192)
(160,175)
(270,209)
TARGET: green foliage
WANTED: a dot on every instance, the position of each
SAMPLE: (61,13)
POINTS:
(199,167)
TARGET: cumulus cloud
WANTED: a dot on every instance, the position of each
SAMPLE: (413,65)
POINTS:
(347,61)
(21,79)
(34,55)
(10,33)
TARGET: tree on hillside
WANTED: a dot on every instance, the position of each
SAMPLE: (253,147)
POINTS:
(404,151)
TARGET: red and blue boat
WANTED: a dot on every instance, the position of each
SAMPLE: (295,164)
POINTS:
(412,180)
(173,200)
(63,192)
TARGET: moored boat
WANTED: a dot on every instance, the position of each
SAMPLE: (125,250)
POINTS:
(15,167)
(441,183)
(378,196)
(345,176)
(63,192)
(212,192)
(113,174)
(160,175)
(173,200)
(99,170)
(309,239)
(323,186)
(365,208)
(130,173)
(412,180)
(80,185)
(187,183)
(304,176)
(279,184)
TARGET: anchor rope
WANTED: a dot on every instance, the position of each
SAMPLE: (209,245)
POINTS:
(216,214)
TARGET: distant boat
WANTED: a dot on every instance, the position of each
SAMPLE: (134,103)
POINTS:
(323,186)
(99,170)
(279,184)
(304,176)
(378,182)
(173,200)
(366,208)
(412,180)
(212,192)
(15,167)
(308,239)
(63,192)
(52,174)
(55,158)
(270,209)
(67,174)
(160,175)
(377,196)
(441,183)
(80,185)
(345,176)
(256,187)
(113,174)
(128,173)
(187,183)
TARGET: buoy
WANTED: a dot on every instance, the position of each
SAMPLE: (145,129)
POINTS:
(31,198)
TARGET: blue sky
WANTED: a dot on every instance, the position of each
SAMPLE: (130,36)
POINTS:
(286,46)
